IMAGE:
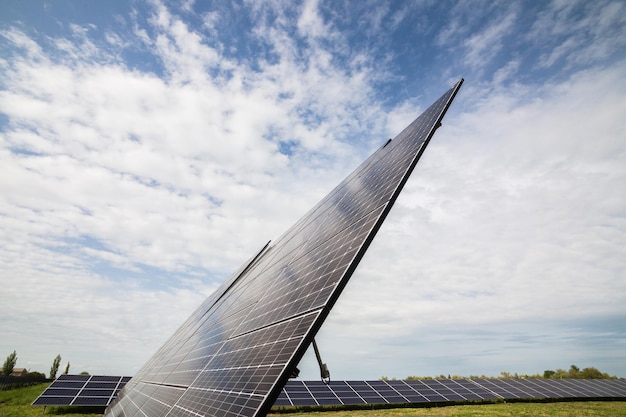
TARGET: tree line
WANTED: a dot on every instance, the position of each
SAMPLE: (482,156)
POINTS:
(574,372)
(9,366)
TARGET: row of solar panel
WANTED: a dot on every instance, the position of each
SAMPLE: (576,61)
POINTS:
(317,393)
(83,390)
(101,390)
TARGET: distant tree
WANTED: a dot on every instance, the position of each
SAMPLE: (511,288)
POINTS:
(548,373)
(9,364)
(84,373)
(55,367)
(67,369)
(36,375)
(574,371)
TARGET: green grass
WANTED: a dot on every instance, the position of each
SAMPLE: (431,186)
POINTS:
(17,403)
(558,409)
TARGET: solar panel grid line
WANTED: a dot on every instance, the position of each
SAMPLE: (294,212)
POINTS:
(500,390)
(464,391)
(459,386)
(355,393)
(397,394)
(534,390)
(587,391)
(411,394)
(118,386)
(557,389)
(595,388)
(437,390)
(347,255)
(617,389)
(492,394)
(450,385)
(422,391)
(427,391)
(554,390)
(515,389)
(311,394)
(590,390)
(376,391)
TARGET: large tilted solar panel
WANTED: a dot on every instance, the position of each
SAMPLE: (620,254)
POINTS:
(96,390)
(235,353)
(79,390)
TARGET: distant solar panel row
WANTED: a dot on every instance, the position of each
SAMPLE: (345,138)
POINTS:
(100,390)
(86,390)
(317,393)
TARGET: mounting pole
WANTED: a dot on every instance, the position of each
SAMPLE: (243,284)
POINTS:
(324,372)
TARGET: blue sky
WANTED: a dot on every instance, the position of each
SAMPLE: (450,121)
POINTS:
(148,148)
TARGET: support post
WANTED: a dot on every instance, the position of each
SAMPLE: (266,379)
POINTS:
(324,372)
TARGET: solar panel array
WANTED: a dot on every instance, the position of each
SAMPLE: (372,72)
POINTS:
(235,353)
(441,391)
(85,390)
(97,390)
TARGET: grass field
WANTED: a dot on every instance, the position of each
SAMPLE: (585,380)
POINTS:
(16,403)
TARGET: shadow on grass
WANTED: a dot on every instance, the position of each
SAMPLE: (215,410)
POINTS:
(69,410)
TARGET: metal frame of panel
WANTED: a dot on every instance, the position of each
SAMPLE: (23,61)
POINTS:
(234,354)
(83,390)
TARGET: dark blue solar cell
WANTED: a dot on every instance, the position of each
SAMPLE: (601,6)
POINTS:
(67,377)
(282,402)
(303,401)
(96,392)
(69,384)
(64,392)
(105,378)
(91,401)
(53,400)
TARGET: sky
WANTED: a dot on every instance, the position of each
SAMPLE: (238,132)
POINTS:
(149,148)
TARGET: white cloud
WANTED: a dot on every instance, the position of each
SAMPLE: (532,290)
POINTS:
(129,194)
(109,167)
(579,32)
(310,23)
(511,220)
(483,46)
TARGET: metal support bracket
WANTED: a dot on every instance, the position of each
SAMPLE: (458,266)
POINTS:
(324,372)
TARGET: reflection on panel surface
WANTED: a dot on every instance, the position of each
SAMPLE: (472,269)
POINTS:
(234,354)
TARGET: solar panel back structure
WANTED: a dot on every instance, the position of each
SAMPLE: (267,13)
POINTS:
(237,350)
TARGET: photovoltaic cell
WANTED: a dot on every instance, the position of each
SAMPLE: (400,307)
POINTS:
(235,353)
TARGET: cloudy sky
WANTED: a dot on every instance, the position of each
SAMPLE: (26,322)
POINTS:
(149,148)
